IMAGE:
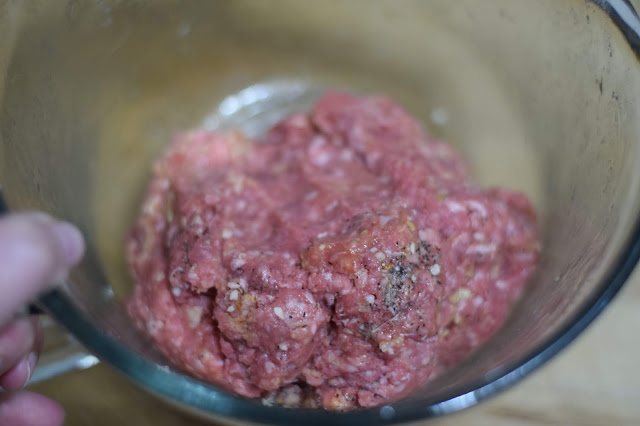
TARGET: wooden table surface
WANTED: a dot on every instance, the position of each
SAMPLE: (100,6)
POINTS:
(596,381)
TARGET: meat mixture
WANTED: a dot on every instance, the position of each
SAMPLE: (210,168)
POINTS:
(339,261)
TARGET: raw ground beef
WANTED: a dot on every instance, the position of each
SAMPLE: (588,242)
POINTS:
(339,261)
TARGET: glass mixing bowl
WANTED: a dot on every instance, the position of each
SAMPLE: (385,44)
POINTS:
(539,96)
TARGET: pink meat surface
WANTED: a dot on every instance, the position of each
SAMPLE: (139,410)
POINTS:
(340,261)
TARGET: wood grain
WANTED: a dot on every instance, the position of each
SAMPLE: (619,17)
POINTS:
(596,381)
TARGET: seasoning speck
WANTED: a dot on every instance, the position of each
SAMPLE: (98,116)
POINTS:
(435,269)
(462,293)
(194,313)
(279,312)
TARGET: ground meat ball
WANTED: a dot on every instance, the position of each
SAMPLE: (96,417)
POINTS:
(340,261)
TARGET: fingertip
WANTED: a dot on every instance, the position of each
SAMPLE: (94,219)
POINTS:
(29,409)
(70,241)
(17,377)
(36,251)
(17,339)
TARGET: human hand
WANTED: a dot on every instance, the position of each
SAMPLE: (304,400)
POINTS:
(36,252)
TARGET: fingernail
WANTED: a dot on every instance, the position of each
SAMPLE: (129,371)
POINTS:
(18,377)
(32,360)
(27,369)
(41,217)
(70,240)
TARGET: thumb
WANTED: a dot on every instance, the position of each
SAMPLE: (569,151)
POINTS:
(36,252)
